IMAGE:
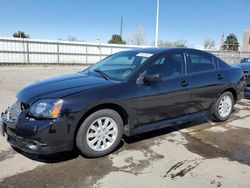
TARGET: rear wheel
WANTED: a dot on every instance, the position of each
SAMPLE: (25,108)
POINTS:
(100,133)
(223,107)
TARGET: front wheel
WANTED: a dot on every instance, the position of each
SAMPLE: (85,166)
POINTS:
(100,133)
(223,107)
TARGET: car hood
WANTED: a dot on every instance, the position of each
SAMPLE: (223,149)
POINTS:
(244,65)
(62,86)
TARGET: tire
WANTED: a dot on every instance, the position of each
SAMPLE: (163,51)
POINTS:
(95,131)
(223,107)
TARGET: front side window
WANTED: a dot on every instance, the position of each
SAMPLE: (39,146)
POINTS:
(169,66)
(200,62)
(120,66)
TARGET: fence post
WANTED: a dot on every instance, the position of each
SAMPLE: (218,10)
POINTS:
(100,51)
(22,46)
(57,51)
(86,52)
(28,52)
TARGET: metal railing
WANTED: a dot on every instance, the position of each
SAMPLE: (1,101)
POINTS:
(29,51)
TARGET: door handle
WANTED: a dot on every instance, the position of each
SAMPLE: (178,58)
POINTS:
(220,77)
(185,83)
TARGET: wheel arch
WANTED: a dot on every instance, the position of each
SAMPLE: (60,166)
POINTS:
(107,105)
(233,91)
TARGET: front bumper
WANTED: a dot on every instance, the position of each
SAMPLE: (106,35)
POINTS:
(41,137)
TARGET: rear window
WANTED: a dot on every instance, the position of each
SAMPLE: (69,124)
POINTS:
(200,62)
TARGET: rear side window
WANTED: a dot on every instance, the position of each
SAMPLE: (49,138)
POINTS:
(200,62)
(169,66)
(222,64)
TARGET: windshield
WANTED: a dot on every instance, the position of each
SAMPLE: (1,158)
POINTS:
(119,66)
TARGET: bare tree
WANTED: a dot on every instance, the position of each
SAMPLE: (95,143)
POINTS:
(209,44)
(137,37)
(181,43)
(72,38)
(164,43)
(178,43)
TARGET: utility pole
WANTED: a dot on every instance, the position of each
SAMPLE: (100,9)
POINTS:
(157,23)
(121,26)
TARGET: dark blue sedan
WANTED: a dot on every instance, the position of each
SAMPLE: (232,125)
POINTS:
(245,65)
(127,93)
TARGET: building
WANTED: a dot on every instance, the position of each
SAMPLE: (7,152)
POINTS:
(246,41)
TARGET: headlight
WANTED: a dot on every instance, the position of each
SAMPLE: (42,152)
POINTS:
(46,108)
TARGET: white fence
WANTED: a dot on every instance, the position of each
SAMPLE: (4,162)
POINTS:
(231,57)
(29,51)
(16,51)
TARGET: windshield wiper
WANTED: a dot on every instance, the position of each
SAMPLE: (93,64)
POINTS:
(104,75)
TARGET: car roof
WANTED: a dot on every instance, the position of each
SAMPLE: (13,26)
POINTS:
(152,50)
(157,50)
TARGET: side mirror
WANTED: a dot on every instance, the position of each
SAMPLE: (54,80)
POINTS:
(152,78)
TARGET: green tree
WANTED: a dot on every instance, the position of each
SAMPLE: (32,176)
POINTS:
(116,39)
(231,43)
(20,34)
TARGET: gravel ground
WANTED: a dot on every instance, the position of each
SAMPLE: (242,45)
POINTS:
(199,154)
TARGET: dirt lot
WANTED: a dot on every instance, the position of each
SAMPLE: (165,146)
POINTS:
(199,154)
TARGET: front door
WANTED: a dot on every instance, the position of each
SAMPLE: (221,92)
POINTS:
(168,98)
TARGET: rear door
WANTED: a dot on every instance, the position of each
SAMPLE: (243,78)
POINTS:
(207,80)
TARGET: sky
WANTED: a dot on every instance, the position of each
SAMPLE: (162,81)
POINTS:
(89,20)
